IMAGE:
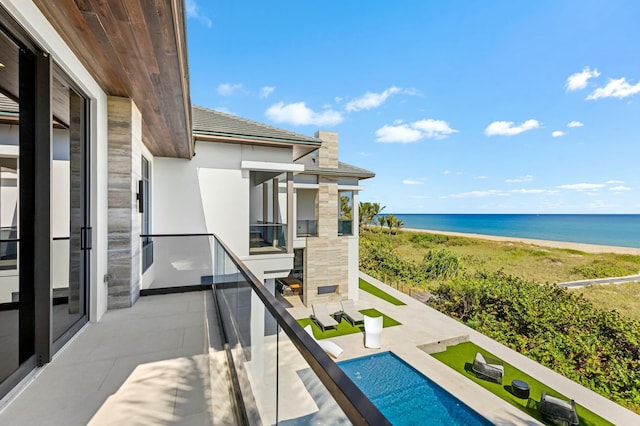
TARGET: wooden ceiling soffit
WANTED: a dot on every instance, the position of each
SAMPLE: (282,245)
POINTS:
(135,49)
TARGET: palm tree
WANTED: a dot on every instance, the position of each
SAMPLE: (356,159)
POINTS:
(364,213)
(375,211)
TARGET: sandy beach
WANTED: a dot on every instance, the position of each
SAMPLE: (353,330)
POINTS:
(588,248)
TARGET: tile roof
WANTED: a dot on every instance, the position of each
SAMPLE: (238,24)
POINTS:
(311,167)
(7,105)
(216,123)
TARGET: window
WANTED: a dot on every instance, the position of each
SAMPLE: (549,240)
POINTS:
(345,213)
(145,207)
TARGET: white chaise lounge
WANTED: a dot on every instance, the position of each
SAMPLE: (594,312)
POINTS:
(351,313)
(321,316)
(328,346)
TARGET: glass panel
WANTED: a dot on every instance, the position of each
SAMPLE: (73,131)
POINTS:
(276,382)
(268,238)
(67,212)
(303,398)
(147,244)
(10,308)
(345,217)
(307,228)
(179,261)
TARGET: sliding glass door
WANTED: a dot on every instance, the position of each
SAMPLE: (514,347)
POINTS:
(45,233)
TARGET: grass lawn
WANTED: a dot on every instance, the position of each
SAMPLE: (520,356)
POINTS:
(460,358)
(345,327)
(370,288)
(625,298)
(528,261)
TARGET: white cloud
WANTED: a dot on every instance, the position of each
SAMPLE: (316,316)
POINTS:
(615,89)
(579,80)
(401,134)
(266,91)
(582,186)
(420,197)
(529,191)
(481,177)
(477,194)
(365,154)
(225,110)
(299,114)
(407,133)
(575,124)
(371,100)
(436,129)
(447,172)
(526,178)
(499,193)
(412,182)
(611,182)
(338,99)
(508,128)
(228,89)
(557,133)
(620,188)
(193,11)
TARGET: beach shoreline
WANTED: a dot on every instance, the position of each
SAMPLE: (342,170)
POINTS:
(587,248)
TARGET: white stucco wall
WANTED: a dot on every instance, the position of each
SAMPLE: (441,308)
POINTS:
(212,194)
(26,13)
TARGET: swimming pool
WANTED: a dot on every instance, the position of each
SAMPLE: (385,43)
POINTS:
(404,395)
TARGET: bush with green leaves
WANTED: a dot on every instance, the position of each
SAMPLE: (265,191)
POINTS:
(440,264)
(597,348)
(603,269)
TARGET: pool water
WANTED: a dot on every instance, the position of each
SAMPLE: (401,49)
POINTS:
(404,395)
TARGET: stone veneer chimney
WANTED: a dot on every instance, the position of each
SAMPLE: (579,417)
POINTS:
(328,152)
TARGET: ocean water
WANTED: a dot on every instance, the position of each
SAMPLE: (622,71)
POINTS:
(605,229)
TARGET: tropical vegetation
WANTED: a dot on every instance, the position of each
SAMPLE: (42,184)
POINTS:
(501,290)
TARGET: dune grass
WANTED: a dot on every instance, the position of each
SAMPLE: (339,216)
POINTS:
(345,327)
(625,298)
(460,358)
(370,288)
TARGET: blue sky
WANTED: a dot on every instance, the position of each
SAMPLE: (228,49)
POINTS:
(458,106)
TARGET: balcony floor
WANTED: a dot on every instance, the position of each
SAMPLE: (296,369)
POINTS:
(155,363)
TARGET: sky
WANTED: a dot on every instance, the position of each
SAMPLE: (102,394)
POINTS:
(457,106)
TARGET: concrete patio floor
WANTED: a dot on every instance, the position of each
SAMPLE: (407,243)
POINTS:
(161,362)
(422,325)
(155,363)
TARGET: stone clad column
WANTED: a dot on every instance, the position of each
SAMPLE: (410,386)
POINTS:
(124,221)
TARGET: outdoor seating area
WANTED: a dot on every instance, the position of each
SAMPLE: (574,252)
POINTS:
(321,316)
(351,314)
(557,409)
(488,368)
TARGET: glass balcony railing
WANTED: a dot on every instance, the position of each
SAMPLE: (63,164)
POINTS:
(267,238)
(282,374)
(345,227)
(176,261)
(307,228)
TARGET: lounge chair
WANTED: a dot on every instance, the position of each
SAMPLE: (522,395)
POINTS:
(489,369)
(373,332)
(328,346)
(558,410)
(321,316)
(351,313)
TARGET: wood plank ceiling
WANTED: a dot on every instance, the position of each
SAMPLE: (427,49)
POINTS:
(135,49)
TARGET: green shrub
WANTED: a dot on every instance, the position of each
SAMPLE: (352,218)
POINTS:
(597,348)
(440,264)
(602,269)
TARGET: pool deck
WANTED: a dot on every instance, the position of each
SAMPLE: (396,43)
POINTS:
(422,325)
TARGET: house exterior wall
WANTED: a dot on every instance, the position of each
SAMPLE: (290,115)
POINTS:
(211,193)
(326,256)
(125,152)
